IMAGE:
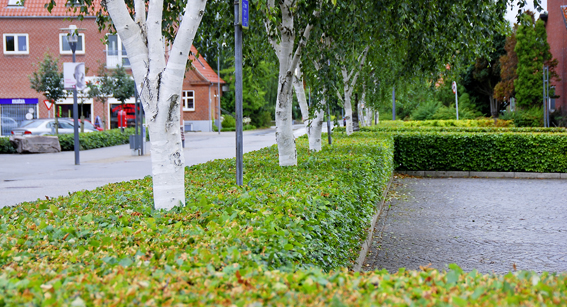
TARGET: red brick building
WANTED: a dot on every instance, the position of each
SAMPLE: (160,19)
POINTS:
(29,31)
(557,39)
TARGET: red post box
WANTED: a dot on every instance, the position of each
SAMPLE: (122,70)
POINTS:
(122,119)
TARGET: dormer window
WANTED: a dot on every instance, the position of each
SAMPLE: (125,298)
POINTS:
(15,2)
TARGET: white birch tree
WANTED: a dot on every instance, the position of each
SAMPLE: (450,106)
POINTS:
(158,76)
(159,80)
(313,124)
(349,80)
(281,35)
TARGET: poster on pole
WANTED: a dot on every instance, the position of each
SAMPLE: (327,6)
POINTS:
(74,76)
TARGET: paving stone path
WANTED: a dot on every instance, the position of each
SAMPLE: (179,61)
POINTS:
(484,224)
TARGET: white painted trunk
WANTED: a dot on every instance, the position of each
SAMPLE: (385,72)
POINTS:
(159,84)
(348,112)
(284,125)
(288,60)
(312,126)
(368,116)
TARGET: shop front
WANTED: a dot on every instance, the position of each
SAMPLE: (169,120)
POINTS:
(14,111)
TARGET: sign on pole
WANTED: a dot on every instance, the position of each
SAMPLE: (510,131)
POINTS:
(48,104)
(244,14)
(74,76)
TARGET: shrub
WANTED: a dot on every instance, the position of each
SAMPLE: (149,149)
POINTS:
(228,122)
(94,140)
(315,214)
(532,117)
(501,152)
(6,146)
(463,129)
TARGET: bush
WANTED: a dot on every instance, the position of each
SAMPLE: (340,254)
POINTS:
(6,146)
(485,122)
(532,117)
(464,129)
(228,122)
(315,214)
(94,140)
(496,152)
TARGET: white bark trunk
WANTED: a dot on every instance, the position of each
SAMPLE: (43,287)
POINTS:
(349,82)
(313,126)
(288,60)
(159,84)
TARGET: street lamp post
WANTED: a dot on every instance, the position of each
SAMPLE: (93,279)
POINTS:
(72,39)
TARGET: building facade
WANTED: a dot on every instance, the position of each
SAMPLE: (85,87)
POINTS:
(557,39)
(29,32)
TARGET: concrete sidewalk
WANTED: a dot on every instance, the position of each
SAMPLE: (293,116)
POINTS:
(33,176)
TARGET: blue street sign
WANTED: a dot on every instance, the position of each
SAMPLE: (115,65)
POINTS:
(244,14)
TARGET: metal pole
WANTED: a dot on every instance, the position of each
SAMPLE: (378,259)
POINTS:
(75,116)
(545,118)
(218,88)
(328,124)
(238,96)
(136,111)
(547,107)
(543,97)
(457,102)
(394,103)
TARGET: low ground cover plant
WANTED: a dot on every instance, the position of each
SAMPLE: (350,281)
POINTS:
(92,245)
(285,239)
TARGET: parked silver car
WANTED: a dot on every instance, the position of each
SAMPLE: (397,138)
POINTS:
(45,126)
(8,124)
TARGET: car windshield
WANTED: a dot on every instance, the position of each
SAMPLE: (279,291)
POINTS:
(33,124)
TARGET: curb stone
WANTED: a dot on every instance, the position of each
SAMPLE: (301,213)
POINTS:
(466,174)
(368,242)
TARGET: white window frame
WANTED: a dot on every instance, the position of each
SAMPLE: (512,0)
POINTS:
(187,98)
(16,43)
(15,2)
(61,51)
(119,52)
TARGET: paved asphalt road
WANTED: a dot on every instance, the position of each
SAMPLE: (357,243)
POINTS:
(32,176)
(484,224)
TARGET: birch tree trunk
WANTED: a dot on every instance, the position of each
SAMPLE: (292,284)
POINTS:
(159,84)
(313,126)
(288,60)
(349,81)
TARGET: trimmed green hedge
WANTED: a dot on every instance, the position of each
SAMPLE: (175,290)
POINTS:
(108,245)
(97,139)
(485,122)
(464,129)
(502,152)
(90,140)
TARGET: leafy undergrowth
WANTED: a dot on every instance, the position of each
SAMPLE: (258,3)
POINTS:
(108,246)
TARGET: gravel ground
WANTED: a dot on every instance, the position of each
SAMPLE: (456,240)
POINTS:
(492,225)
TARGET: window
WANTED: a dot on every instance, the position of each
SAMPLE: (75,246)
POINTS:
(64,47)
(16,44)
(15,2)
(188,98)
(116,53)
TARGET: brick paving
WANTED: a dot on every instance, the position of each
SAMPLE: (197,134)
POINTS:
(484,224)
